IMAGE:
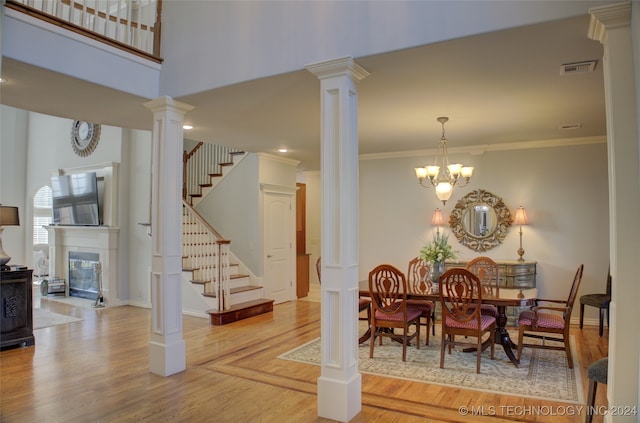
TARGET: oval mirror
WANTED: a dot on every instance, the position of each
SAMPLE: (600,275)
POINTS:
(480,220)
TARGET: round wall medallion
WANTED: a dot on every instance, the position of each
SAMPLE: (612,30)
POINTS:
(84,137)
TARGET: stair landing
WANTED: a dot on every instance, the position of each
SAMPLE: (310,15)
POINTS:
(240,311)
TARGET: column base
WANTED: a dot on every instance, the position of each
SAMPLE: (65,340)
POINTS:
(338,399)
(167,359)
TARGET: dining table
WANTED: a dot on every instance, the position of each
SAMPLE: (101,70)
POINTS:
(507,297)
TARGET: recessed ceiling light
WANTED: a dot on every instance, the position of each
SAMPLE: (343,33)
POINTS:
(282,150)
(187,127)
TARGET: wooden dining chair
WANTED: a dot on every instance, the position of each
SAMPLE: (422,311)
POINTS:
(388,292)
(418,282)
(600,301)
(551,319)
(364,304)
(488,272)
(459,291)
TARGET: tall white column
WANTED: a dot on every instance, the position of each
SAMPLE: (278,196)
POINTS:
(167,348)
(612,26)
(340,384)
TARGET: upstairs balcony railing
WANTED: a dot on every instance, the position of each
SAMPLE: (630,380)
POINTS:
(131,25)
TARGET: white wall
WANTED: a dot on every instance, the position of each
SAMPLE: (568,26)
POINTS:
(563,189)
(257,39)
(13,178)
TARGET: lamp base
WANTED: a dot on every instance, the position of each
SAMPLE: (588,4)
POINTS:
(4,268)
(521,253)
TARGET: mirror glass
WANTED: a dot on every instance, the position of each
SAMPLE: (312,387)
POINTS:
(480,220)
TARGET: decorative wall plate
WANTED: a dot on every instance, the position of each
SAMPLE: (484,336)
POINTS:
(84,137)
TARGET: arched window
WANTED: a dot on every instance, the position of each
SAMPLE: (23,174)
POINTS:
(42,215)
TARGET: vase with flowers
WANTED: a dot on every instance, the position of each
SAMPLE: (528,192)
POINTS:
(436,252)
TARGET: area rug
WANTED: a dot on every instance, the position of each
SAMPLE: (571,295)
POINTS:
(542,374)
(45,319)
(74,301)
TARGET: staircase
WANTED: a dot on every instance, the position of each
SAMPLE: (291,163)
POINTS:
(214,281)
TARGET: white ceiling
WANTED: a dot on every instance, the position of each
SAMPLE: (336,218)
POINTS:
(496,88)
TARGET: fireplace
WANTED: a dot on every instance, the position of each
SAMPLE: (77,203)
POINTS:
(83,274)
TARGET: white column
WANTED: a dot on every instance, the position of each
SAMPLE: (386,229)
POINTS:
(167,349)
(340,384)
(611,25)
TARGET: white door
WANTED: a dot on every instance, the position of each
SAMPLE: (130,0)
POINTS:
(278,272)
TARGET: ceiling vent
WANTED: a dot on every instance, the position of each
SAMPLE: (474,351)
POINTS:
(578,67)
(571,126)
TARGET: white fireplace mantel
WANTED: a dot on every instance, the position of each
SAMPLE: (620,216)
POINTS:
(101,240)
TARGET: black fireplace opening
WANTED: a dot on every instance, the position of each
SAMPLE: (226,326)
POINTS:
(83,274)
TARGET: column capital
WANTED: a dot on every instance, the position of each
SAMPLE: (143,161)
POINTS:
(165,103)
(608,17)
(344,66)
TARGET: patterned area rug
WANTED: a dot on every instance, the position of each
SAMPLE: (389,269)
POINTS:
(542,373)
(45,319)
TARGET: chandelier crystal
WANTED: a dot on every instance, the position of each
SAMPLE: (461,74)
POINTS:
(452,174)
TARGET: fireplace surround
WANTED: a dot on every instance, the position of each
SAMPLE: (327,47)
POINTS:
(100,241)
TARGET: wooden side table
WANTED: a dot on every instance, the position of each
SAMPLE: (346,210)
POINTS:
(16,312)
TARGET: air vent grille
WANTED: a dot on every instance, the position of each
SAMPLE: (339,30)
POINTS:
(578,67)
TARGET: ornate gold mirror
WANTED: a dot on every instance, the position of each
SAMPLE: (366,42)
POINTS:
(480,220)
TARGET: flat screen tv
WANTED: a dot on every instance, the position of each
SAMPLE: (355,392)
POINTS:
(75,199)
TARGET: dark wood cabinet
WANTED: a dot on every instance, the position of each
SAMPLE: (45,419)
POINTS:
(16,324)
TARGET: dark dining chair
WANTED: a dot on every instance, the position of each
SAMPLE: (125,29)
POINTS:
(597,372)
(552,319)
(599,301)
(388,291)
(460,293)
(488,271)
(418,282)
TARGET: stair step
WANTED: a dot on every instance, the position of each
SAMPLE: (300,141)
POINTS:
(240,311)
(238,276)
(236,290)
(236,153)
(214,175)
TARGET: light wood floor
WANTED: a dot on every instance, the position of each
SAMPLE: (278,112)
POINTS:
(97,370)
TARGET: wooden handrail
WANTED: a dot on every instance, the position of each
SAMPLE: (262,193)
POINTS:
(219,238)
(185,158)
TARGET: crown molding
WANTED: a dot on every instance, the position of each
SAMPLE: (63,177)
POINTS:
(608,17)
(481,149)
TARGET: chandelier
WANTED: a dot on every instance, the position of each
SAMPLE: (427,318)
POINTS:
(452,174)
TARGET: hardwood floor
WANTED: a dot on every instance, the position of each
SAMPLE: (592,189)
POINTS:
(97,369)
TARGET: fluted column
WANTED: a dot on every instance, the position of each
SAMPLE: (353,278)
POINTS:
(612,26)
(340,383)
(167,348)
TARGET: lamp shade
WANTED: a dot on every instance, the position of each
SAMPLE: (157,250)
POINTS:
(9,216)
(437,219)
(521,217)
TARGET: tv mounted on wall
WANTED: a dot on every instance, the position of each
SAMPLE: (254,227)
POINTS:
(76,199)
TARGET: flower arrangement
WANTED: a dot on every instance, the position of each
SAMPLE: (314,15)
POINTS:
(438,250)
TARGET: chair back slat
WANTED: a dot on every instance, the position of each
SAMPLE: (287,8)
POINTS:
(488,271)
(387,287)
(573,293)
(319,269)
(460,294)
(418,276)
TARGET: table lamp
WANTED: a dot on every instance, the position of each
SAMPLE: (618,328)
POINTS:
(437,220)
(520,219)
(8,217)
